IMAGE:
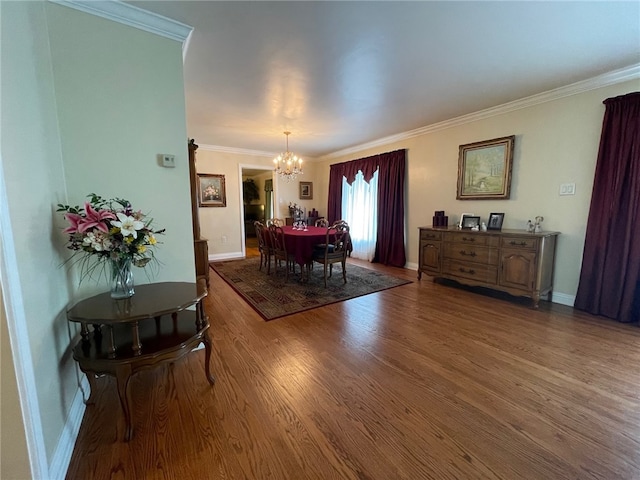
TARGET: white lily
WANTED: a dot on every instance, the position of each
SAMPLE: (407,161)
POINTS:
(128,225)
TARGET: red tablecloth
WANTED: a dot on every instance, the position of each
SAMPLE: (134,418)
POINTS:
(300,243)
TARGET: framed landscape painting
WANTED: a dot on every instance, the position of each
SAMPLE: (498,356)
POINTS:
(211,190)
(484,169)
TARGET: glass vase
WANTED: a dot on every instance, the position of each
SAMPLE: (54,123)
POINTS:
(121,279)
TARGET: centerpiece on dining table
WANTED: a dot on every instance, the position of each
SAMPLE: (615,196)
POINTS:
(110,234)
(296,212)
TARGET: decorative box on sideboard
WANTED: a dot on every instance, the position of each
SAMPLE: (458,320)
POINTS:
(511,261)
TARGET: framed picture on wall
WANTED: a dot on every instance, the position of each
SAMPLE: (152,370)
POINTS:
(306,190)
(211,190)
(484,169)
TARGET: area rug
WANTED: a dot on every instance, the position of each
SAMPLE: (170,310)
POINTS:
(272,297)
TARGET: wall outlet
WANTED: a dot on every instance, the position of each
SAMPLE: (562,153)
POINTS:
(223,239)
(168,161)
(568,189)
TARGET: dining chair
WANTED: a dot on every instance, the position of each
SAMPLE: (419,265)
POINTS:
(334,250)
(342,224)
(279,250)
(264,246)
(322,222)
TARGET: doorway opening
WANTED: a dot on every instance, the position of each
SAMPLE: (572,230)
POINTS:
(257,187)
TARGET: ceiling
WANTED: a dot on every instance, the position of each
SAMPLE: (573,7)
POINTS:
(342,74)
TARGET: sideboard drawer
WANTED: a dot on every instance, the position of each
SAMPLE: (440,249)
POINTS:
(472,238)
(471,253)
(522,242)
(474,271)
(429,235)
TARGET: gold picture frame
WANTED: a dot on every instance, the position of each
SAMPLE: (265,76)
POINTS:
(484,169)
(306,190)
(211,190)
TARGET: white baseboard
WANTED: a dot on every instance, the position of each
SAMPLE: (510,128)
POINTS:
(411,266)
(225,256)
(563,299)
(67,441)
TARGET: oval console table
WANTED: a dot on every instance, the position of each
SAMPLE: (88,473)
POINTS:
(122,337)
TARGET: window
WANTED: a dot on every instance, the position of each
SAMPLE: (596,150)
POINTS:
(360,210)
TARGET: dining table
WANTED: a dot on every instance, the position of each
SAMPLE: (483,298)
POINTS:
(300,242)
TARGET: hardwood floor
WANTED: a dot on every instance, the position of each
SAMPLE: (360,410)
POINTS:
(423,381)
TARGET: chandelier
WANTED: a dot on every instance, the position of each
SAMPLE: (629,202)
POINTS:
(288,165)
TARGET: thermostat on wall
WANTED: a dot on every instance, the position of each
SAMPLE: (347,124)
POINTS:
(168,161)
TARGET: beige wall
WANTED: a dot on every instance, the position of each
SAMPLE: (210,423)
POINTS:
(556,142)
(79,116)
(223,226)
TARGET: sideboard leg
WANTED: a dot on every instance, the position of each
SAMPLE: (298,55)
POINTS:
(535,300)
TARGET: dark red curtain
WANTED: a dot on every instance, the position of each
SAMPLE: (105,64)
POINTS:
(610,277)
(334,206)
(390,242)
(391,178)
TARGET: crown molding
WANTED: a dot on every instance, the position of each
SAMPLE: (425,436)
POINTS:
(611,78)
(132,16)
(236,151)
(244,151)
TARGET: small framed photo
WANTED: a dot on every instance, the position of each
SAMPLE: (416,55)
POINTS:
(469,222)
(211,190)
(306,190)
(462,217)
(495,221)
(484,169)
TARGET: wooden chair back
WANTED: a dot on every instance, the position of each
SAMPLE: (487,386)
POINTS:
(276,221)
(279,248)
(342,225)
(263,245)
(334,250)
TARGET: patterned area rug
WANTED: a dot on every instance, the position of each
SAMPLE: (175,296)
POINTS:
(269,297)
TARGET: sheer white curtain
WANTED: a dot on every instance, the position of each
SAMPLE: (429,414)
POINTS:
(360,210)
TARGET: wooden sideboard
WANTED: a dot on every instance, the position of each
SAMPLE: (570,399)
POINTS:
(512,261)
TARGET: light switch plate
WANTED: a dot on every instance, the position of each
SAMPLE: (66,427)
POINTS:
(567,189)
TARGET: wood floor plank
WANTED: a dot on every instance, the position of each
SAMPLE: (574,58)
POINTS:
(423,381)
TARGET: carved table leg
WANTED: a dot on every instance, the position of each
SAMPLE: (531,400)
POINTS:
(207,357)
(123,375)
(91,378)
